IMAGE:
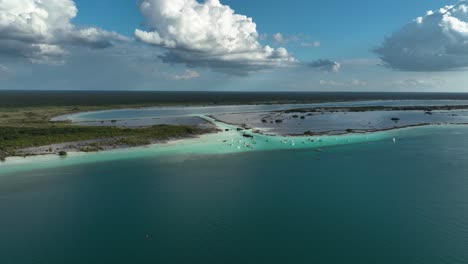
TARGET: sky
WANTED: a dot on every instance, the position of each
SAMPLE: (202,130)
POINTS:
(234,45)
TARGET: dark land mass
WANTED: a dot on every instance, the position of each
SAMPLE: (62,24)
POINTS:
(428,109)
(106,98)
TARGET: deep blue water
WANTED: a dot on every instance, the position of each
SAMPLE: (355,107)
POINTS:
(375,202)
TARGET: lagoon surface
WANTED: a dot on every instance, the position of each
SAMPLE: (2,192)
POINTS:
(262,117)
(370,202)
(163,112)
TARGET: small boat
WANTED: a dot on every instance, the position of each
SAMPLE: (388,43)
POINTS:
(394,140)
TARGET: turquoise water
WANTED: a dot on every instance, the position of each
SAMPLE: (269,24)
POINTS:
(365,201)
(223,142)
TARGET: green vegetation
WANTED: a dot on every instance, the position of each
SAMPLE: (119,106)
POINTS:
(153,98)
(13,138)
(41,116)
(26,127)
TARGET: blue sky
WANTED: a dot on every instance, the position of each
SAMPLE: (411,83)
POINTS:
(361,23)
(328,45)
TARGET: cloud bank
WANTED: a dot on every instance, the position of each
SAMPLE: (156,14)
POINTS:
(187,75)
(41,30)
(4,72)
(437,41)
(352,83)
(207,34)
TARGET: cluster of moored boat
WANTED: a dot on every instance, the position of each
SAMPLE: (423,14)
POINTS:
(249,141)
(241,143)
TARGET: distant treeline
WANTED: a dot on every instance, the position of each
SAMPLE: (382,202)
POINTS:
(377,108)
(103,98)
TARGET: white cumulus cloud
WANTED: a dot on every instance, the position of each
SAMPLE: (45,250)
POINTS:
(41,29)
(437,41)
(207,34)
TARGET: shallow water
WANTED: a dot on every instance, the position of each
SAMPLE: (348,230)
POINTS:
(338,123)
(230,141)
(144,122)
(371,202)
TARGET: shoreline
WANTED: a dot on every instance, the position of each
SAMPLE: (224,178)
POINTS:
(89,146)
(314,106)
(86,146)
(224,138)
(352,109)
(257,130)
(209,144)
